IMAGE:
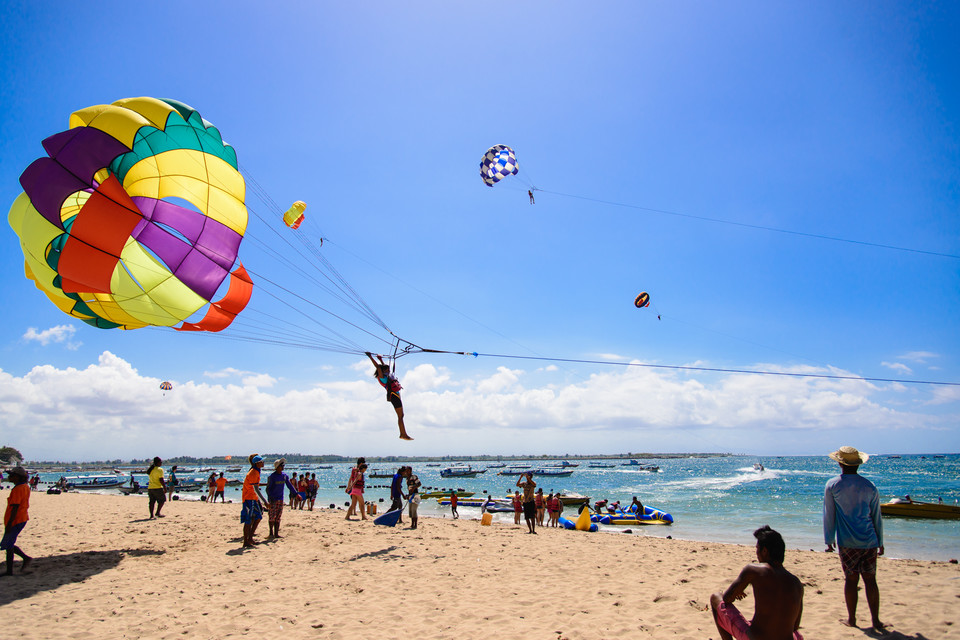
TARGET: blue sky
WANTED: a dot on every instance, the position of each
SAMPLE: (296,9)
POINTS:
(813,118)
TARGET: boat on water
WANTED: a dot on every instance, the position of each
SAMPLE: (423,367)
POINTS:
(127,489)
(497,505)
(498,465)
(380,473)
(601,465)
(461,472)
(232,470)
(638,466)
(446,494)
(650,515)
(551,473)
(564,463)
(916,509)
(83,483)
(566,498)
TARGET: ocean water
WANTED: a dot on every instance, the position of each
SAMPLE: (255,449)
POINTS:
(711,499)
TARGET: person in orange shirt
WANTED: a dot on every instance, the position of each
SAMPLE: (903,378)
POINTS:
(221,486)
(15,518)
(253,501)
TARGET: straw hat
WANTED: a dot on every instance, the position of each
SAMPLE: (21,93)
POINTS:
(278,463)
(849,456)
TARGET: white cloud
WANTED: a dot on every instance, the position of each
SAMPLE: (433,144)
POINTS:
(61,334)
(899,367)
(228,372)
(110,410)
(610,356)
(919,357)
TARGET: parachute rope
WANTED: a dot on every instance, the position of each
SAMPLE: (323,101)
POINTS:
(747,225)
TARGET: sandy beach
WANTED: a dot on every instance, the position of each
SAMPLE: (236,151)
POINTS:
(103,569)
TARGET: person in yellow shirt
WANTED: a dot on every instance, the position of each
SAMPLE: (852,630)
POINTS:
(156,487)
(15,518)
(253,501)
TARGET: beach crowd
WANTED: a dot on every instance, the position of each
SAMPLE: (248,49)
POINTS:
(852,527)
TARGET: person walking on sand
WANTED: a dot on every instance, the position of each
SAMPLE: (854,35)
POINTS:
(211,487)
(396,491)
(777,594)
(15,518)
(275,484)
(529,502)
(156,487)
(413,501)
(355,488)
(174,481)
(252,512)
(389,381)
(221,487)
(851,518)
(453,504)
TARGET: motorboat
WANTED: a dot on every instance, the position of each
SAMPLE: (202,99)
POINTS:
(916,509)
(551,473)
(635,464)
(82,483)
(461,472)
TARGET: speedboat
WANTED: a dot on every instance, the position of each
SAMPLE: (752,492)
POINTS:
(915,509)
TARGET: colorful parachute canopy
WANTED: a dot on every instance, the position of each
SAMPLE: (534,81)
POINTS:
(166,386)
(642,300)
(498,162)
(294,215)
(102,235)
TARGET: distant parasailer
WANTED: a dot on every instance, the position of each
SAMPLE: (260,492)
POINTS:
(642,300)
(294,215)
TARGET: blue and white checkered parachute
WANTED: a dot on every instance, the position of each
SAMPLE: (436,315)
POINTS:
(498,162)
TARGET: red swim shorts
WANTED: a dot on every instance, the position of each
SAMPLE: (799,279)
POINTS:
(736,625)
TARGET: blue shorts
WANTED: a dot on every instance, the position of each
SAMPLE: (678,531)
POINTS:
(10,537)
(251,511)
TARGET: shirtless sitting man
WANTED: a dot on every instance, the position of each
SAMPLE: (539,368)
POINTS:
(777,593)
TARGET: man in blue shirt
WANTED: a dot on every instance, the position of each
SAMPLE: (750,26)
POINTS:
(276,481)
(851,517)
(396,490)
